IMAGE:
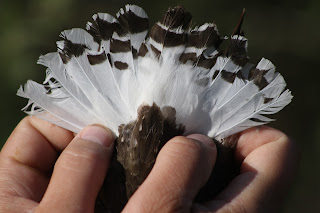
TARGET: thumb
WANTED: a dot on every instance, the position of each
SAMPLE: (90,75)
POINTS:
(79,172)
(182,167)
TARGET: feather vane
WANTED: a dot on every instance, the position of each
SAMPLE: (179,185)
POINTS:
(108,71)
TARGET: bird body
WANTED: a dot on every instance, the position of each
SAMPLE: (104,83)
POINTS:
(176,81)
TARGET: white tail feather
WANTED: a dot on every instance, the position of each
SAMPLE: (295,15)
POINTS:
(105,74)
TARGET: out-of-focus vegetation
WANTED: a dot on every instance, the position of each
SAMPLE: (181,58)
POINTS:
(286,32)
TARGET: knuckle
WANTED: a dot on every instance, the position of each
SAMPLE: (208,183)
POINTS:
(80,155)
(186,144)
(172,204)
(83,152)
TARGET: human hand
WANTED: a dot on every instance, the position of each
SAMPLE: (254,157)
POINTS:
(30,153)
(268,160)
(27,183)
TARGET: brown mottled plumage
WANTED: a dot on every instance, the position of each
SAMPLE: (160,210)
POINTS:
(177,81)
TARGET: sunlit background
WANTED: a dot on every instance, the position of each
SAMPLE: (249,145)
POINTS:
(286,32)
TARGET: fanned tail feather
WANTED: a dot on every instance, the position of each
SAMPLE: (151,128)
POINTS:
(106,73)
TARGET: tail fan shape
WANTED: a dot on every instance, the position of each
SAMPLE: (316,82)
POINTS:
(106,73)
(178,80)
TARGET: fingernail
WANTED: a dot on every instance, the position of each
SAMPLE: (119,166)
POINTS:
(97,134)
(202,138)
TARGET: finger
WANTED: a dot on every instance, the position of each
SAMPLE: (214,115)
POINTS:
(269,163)
(251,139)
(182,167)
(36,143)
(79,172)
(28,155)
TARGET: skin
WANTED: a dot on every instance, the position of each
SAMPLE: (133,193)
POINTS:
(44,168)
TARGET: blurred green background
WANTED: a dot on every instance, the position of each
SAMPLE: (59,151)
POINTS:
(286,32)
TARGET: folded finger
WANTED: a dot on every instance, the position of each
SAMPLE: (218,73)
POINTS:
(28,156)
(182,167)
(79,172)
(269,161)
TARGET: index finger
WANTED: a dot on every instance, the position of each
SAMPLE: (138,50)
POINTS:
(36,143)
(269,160)
(27,159)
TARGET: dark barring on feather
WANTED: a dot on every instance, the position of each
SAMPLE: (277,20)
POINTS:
(146,90)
